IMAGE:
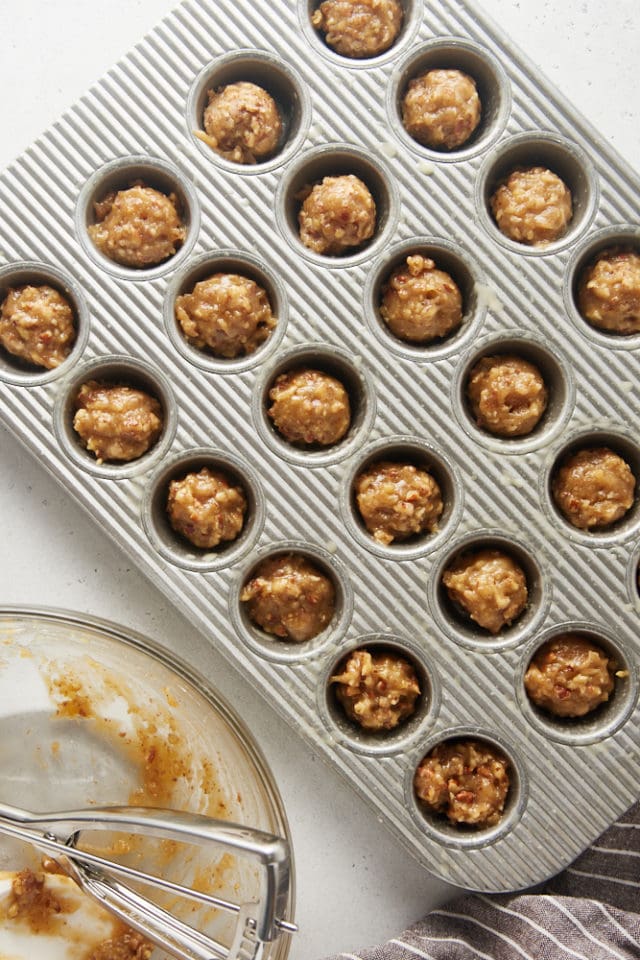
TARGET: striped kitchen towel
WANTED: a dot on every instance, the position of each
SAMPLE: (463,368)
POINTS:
(590,911)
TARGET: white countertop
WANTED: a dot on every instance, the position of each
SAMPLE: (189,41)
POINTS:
(355,886)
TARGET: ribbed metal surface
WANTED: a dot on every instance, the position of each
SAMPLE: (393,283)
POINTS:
(140,108)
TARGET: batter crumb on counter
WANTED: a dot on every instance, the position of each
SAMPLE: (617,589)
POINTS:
(206,507)
(468,781)
(310,407)
(532,206)
(489,586)
(441,109)
(359,28)
(609,291)
(290,597)
(397,501)
(377,690)
(37,325)
(570,676)
(116,422)
(337,216)
(138,227)
(507,394)
(242,123)
(594,488)
(226,314)
(420,302)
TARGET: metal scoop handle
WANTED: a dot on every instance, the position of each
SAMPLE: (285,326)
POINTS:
(259,922)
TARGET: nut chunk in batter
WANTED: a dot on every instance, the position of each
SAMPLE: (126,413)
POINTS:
(310,407)
(594,488)
(420,302)
(337,215)
(441,109)
(533,206)
(359,28)
(227,314)
(466,780)
(290,597)
(206,507)
(116,422)
(242,123)
(609,291)
(37,324)
(377,690)
(489,586)
(570,676)
(397,500)
(138,227)
(507,394)
(129,945)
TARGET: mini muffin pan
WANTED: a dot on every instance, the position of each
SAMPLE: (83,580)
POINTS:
(569,779)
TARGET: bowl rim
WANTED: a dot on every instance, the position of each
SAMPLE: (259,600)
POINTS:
(143,644)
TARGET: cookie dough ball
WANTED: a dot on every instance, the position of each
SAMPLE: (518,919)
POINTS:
(397,500)
(466,780)
(359,28)
(570,676)
(507,394)
(337,215)
(310,407)
(37,324)
(420,302)
(533,206)
(138,227)
(116,422)
(489,586)
(441,109)
(226,314)
(609,292)
(290,597)
(206,507)
(377,690)
(594,488)
(242,123)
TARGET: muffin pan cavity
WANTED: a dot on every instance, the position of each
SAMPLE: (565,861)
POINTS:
(471,59)
(210,472)
(617,292)
(547,151)
(339,381)
(123,174)
(501,400)
(234,314)
(269,73)
(402,493)
(579,499)
(303,577)
(113,372)
(600,722)
(498,594)
(16,368)
(466,836)
(383,670)
(462,273)
(317,39)
(319,168)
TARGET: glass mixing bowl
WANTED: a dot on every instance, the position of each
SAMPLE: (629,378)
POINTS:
(91,714)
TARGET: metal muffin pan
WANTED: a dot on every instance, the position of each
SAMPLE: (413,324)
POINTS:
(570,780)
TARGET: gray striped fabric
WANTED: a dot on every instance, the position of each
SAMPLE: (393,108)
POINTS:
(590,911)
